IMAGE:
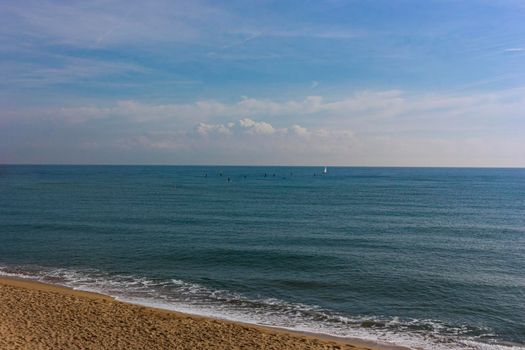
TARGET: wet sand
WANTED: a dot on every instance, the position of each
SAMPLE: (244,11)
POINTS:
(34,315)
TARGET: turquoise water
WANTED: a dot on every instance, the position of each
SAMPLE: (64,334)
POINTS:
(430,258)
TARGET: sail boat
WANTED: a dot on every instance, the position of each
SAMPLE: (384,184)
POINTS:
(325,171)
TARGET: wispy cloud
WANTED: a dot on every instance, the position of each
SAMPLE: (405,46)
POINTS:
(249,37)
(340,82)
(370,127)
(515,49)
(117,22)
(365,107)
(65,70)
(309,32)
(99,23)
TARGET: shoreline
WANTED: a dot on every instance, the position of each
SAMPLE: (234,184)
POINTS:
(274,337)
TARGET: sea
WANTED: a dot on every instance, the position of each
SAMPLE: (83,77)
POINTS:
(427,258)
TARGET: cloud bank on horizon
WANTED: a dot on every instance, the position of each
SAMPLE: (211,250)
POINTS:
(439,83)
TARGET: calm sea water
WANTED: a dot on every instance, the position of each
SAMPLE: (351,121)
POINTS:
(430,258)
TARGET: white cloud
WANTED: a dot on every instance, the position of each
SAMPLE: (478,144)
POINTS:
(253,127)
(363,110)
(207,129)
(247,141)
(369,127)
(299,130)
(247,126)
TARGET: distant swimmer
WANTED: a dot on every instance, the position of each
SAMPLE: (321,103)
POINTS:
(220,174)
(228,179)
(265,175)
(206,175)
(273,175)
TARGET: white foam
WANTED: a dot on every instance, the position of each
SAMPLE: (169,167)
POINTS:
(192,298)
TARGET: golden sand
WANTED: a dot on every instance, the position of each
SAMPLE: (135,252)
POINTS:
(40,316)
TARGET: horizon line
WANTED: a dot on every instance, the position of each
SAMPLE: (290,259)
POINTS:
(269,165)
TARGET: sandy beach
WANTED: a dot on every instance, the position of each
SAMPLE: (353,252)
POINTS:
(40,316)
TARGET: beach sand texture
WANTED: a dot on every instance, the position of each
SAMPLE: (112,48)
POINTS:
(40,316)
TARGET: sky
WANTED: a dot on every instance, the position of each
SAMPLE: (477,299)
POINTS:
(349,83)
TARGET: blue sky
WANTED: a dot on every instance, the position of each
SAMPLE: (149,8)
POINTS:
(426,83)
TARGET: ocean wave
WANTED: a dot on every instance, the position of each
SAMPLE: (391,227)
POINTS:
(193,298)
